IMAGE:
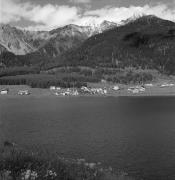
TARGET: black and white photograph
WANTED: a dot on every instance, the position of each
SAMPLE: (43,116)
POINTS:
(87,89)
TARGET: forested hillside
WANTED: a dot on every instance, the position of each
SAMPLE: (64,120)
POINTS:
(124,54)
(147,43)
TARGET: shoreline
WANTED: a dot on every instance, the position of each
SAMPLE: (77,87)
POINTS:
(47,93)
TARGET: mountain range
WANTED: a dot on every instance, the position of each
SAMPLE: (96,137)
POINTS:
(52,43)
(146,42)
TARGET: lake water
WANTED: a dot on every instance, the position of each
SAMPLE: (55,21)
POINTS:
(134,134)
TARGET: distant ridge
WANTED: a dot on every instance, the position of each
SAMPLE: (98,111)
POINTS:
(51,43)
(146,42)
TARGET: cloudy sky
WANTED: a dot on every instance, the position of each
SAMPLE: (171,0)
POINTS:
(49,14)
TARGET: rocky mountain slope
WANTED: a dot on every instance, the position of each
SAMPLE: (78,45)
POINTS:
(14,40)
(63,39)
(50,43)
(2,49)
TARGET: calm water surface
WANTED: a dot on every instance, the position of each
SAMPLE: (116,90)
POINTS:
(135,134)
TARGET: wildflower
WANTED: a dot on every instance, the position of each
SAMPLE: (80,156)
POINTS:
(51,174)
(92,165)
(110,169)
(34,175)
(6,174)
(27,174)
(95,173)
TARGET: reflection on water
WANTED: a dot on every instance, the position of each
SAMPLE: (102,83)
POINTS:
(134,134)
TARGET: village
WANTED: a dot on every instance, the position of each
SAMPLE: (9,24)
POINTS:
(94,90)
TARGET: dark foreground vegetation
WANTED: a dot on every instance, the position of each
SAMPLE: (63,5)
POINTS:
(18,164)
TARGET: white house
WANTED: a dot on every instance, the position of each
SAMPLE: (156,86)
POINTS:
(75,93)
(149,85)
(52,88)
(166,85)
(116,88)
(136,89)
(23,92)
(105,91)
(4,91)
(85,89)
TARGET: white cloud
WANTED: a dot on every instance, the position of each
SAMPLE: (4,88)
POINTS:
(51,16)
(10,11)
(117,14)
(80,1)
(47,16)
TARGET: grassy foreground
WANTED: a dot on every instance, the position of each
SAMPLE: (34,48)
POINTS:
(18,164)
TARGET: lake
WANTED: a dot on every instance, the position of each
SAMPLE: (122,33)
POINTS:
(134,134)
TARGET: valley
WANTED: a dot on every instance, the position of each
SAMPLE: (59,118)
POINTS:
(74,56)
(87,90)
